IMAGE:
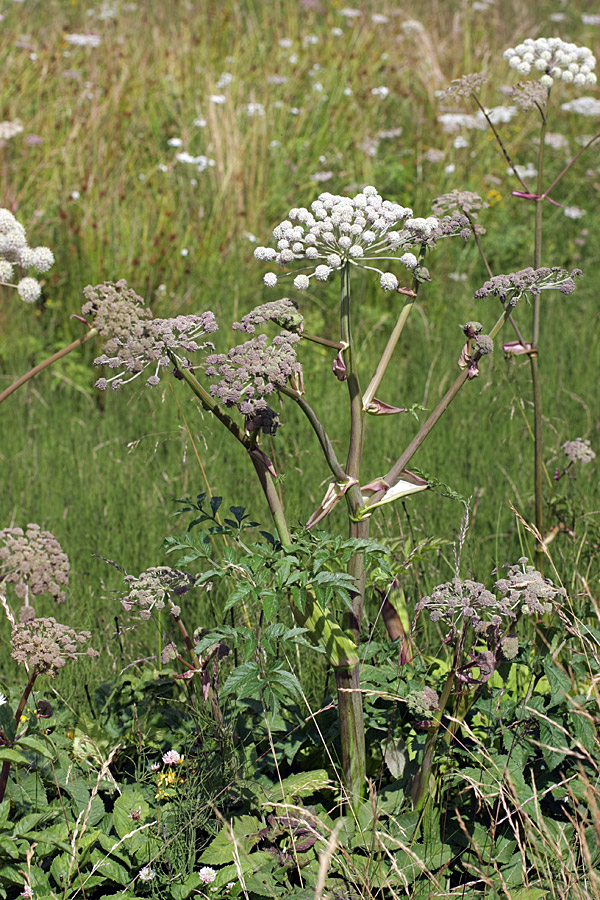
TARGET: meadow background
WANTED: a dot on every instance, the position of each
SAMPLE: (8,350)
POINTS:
(273,103)
(160,143)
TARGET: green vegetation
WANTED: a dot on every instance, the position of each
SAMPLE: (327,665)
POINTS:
(381,709)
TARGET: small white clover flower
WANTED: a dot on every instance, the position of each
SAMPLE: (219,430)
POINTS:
(29,290)
(207,875)
(147,874)
(363,231)
(171,758)
(555,59)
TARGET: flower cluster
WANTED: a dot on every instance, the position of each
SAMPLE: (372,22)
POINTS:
(510,288)
(423,704)
(46,645)
(33,561)
(153,589)
(457,601)
(9,130)
(579,451)
(524,591)
(467,202)
(136,340)
(526,588)
(463,87)
(147,873)
(283,312)
(15,251)
(554,58)
(250,372)
(356,231)
(529,94)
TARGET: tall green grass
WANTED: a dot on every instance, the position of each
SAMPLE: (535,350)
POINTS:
(102,472)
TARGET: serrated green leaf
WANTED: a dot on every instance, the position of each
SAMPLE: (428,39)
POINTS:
(37,745)
(560,684)
(12,756)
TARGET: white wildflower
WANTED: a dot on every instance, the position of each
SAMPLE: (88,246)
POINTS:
(207,875)
(555,59)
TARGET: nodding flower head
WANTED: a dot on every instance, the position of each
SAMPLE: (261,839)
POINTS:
(338,231)
(554,59)
(136,340)
(251,372)
(510,288)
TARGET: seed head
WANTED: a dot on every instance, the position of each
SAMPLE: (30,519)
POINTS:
(33,561)
(46,645)
(136,341)
(251,372)
(154,589)
(510,288)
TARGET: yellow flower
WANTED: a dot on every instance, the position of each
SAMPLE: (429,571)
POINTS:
(494,197)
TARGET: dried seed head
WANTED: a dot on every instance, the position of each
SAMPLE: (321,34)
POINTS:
(46,645)
(34,562)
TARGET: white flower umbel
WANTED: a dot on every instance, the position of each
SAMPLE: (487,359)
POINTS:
(15,251)
(554,59)
(338,231)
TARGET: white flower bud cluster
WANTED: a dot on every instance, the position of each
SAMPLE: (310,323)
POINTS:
(15,251)
(339,230)
(554,59)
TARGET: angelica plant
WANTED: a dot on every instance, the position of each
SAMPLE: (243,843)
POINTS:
(553,60)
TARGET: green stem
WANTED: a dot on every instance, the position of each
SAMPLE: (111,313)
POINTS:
(420,788)
(390,347)
(395,472)
(357,415)
(538,462)
(318,428)
(352,732)
(47,362)
(488,269)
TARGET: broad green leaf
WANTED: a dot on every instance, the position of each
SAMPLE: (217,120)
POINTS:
(220,849)
(7,721)
(110,868)
(560,684)
(37,745)
(130,811)
(12,756)
(183,890)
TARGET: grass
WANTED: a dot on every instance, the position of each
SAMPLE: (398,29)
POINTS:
(102,471)
(104,190)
